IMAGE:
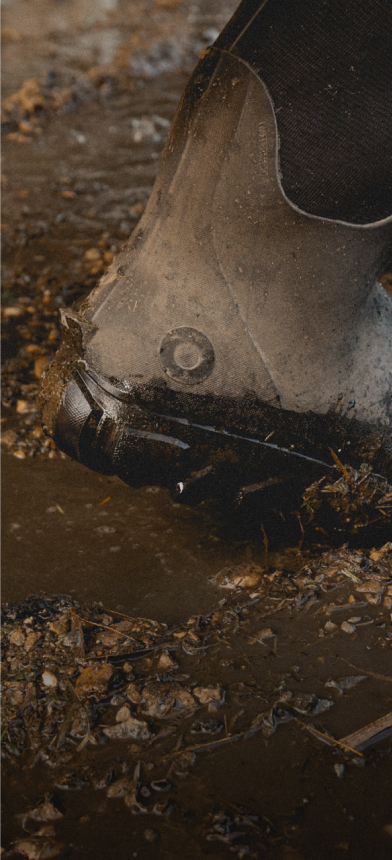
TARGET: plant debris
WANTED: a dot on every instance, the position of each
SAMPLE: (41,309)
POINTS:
(368,733)
(356,502)
(78,675)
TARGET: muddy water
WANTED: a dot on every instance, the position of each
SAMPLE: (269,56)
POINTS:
(109,76)
(69,530)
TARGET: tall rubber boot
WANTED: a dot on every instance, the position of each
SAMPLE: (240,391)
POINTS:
(242,331)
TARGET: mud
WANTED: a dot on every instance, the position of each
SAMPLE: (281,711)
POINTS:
(82,140)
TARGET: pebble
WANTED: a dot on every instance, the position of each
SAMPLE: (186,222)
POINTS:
(94,679)
(371,586)
(15,697)
(46,812)
(339,770)
(123,714)
(133,694)
(92,255)
(22,406)
(132,728)
(48,679)
(205,695)
(244,576)
(40,365)
(31,640)
(13,312)
(150,835)
(17,638)
(374,599)
(165,662)
(330,626)
(9,438)
(347,627)
(35,849)
(118,788)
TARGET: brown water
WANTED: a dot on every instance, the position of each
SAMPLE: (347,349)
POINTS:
(139,552)
(82,183)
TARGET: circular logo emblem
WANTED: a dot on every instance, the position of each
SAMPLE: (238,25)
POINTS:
(187,355)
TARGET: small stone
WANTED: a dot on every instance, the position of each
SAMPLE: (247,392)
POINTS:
(9,438)
(374,599)
(205,695)
(60,626)
(371,586)
(40,365)
(108,638)
(118,788)
(35,849)
(25,127)
(22,406)
(266,633)
(123,714)
(132,728)
(13,312)
(160,701)
(92,255)
(48,679)
(347,627)
(17,638)
(14,697)
(80,725)
(243,576)
(46,812)
(133,694)
(94,679)
(339,770)
(32,639)
(330,626)
(165,663)
(19,454)
(150,835)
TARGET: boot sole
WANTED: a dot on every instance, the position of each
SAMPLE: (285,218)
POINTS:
(142,435)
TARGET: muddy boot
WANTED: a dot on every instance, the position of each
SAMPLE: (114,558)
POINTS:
(241,335)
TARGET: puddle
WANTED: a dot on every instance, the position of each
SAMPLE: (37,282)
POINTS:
(71,531)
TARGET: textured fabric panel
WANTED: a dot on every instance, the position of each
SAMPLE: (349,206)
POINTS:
(328,67)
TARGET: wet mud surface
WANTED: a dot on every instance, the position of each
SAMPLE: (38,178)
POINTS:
(195,737)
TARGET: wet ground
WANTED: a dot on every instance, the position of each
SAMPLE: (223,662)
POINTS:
(89,91)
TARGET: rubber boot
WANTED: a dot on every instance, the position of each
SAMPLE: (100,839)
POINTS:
(242,335)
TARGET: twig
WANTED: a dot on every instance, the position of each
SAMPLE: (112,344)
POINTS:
(105,627)
(331,740)
(209,745)
(131,617)
(368,672)
(356,739)
(340,466)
